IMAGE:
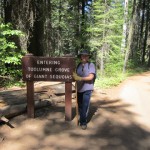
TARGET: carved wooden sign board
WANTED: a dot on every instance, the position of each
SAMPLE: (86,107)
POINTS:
(48,69)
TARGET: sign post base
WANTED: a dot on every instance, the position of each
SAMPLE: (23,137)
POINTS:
(30,99)
(68,103)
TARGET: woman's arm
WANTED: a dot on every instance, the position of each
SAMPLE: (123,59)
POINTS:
(88,78)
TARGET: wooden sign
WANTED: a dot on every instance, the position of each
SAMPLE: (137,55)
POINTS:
(48,69)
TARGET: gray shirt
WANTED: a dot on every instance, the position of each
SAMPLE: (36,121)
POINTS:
(84,71)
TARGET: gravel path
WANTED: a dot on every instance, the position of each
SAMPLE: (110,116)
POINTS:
(118,120)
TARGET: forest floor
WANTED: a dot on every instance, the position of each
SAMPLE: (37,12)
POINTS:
(118,120)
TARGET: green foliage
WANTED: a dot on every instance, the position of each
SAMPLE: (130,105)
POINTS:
(135,68)
(65,23)
(108,82)
(10,62)
(113,69)
(106,35)
(119,77)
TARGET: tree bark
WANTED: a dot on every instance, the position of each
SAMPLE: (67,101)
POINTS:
(8,11)
(142,40)
(123,44)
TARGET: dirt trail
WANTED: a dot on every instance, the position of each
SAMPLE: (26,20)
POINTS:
(137,92)
(118,121)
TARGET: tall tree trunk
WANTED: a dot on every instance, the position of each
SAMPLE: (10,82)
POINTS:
(36,41)
(148,64)
(103,47)
(130,36)
(78,26)
(8,11)
(59,29)
(129,45)
(82,23)
(146,32)
(123,44)
(143,40)
(2,9)
(48,46)
(148,43)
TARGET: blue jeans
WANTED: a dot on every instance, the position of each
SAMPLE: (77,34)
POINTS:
(83,105)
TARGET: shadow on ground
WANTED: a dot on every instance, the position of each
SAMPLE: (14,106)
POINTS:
(110,127)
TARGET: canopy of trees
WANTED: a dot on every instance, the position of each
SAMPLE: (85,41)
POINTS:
(117,32)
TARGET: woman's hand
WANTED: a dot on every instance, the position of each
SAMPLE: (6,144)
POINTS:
(76,77)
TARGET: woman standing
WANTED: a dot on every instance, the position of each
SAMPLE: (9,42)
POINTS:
(85,74)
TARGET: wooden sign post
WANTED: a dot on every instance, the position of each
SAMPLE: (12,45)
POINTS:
(48,69)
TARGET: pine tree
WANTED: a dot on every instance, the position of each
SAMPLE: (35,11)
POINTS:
(106,34)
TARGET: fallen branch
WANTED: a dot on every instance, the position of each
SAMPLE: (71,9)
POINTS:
(15,110)
(4,119)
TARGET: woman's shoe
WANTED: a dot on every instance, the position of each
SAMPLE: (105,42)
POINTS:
(83,127)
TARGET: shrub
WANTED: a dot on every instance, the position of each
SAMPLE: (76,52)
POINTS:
(10,62)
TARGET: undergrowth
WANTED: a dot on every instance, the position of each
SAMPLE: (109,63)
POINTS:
(114,80)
